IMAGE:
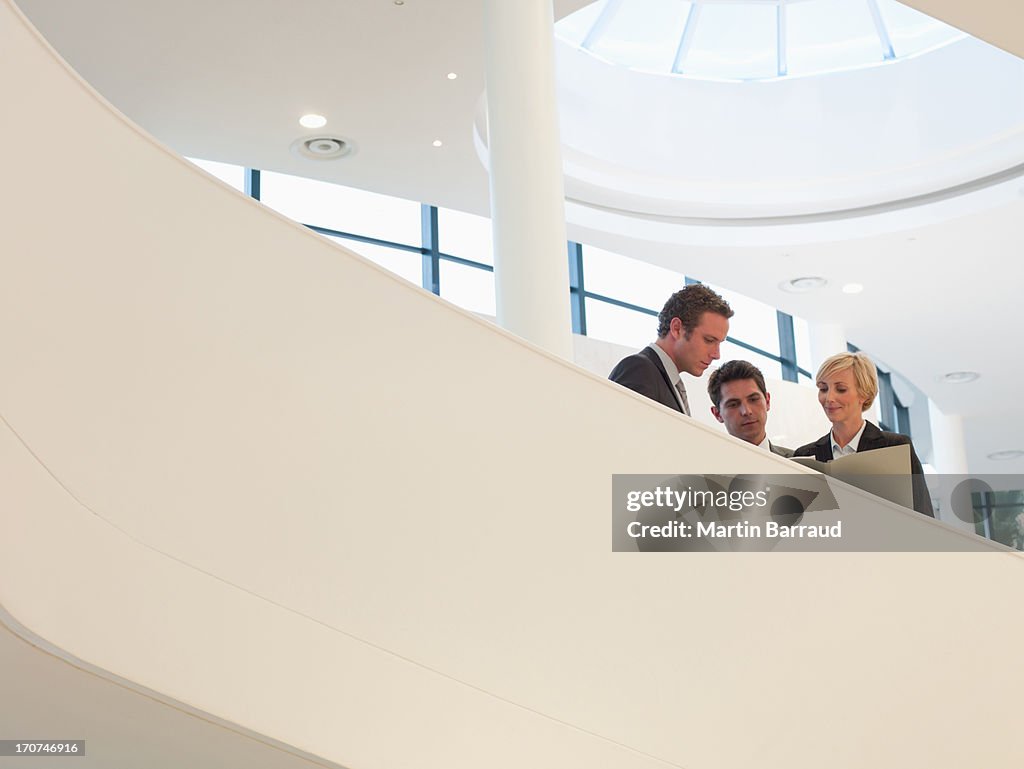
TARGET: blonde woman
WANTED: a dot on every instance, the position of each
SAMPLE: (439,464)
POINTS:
(847,386)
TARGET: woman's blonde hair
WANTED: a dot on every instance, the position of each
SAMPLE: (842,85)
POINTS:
(864,373)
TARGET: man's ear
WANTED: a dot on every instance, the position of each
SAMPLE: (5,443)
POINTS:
(767,401)
(717,413)
(675,327)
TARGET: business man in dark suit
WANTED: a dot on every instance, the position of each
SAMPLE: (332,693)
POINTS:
(691,328)
(740,400)
(847,386)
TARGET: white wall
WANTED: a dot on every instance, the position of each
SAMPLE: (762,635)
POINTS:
(248,470)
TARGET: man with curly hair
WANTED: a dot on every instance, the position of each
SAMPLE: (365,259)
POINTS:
(691,328)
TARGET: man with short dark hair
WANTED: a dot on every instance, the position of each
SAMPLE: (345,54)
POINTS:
(741,402)
(691,328)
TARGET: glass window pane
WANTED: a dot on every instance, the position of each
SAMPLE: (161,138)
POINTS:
(770,368)
(465,235)
(912,31)
(629,280)
(1006,516)
(619,325)
(802,333)
(644,34)
(468,287)
(406,264)
(735,41)
(230,174)
(830,34)
(754,322)
(342,208)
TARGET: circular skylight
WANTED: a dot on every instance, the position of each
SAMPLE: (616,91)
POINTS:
(752,39)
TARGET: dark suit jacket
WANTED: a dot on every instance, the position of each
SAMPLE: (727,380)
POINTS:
(782,451)
(643,373)
(874,438)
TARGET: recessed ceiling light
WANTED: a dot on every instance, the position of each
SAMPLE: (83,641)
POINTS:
(853,288)
(399,2)
(960,377)
(803,285)
(1001,456)
(312,120)
(437,142)
(452,75)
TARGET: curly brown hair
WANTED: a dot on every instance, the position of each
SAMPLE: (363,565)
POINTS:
(688,304)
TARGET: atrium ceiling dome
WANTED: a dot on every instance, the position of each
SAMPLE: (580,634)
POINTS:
(866,106)
(753,39)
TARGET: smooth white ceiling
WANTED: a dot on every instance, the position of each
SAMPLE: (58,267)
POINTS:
(228,80)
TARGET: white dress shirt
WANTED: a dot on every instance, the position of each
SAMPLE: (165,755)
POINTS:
(849,448)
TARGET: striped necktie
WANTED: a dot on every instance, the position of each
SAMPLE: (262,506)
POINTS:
(682,397)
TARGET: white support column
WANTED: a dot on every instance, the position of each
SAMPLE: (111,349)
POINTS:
(949,458)
(948,447)
(531,273)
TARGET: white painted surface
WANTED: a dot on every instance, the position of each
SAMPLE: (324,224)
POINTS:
(948,438)
(680,146)
(218,98)
(234,497)
(525,160)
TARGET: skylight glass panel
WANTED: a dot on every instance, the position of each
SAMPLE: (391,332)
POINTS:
(912,31)
(574,27)
(644,34)
(734,41)
(827,35)
(739,39)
